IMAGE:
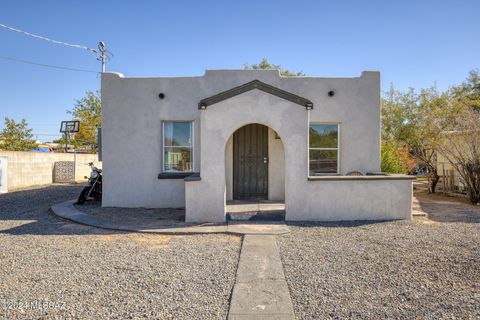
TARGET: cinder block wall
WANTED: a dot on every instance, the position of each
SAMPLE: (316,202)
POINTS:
(27,169)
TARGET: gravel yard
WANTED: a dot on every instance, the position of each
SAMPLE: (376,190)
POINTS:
(53,268)
(133,216)
(420,269)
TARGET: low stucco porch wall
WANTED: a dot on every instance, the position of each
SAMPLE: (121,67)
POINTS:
(352,198)
(331,199)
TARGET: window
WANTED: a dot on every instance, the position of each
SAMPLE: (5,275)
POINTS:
(323,149)
(177,146)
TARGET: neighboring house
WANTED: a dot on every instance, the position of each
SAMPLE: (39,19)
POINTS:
(197,142)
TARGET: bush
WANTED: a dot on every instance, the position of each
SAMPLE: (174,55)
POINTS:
(394,159)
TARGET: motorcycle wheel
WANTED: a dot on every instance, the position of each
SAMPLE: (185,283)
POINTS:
(97,196)
(83,195)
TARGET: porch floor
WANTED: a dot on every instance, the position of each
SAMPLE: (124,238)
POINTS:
(255,210)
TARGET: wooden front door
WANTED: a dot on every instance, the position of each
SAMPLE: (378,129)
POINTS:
(250,162)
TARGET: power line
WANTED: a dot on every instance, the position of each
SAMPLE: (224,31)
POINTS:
(102,54)
(46,65)
(79,46)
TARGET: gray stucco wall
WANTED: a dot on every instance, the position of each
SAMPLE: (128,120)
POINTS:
(276,167)
(132,143)
(322,199)
(229,168)
(363,199)
(133,112)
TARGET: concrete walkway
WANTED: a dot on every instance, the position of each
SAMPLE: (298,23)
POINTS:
(257,227)
(68,211)
(260,290)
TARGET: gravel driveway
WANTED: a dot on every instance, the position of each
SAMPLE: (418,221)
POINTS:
(56,269)
(408,270)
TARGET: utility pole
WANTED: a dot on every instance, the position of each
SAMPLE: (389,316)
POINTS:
(103,56)
(66,142)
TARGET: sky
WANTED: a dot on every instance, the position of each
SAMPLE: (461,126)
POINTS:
(412,43)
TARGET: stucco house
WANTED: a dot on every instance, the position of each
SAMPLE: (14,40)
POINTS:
(198,142)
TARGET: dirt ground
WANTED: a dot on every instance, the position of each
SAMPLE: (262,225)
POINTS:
(442,208)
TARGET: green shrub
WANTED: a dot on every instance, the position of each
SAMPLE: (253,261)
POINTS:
(394,159)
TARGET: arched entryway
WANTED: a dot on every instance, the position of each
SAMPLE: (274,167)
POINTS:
(206,197)
(255,173)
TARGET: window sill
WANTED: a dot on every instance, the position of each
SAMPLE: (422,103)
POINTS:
(326,175)
(174,175)
(363,178)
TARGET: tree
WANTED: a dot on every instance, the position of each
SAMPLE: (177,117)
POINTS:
(88,111)
(265,65)
(416,121)
(461,147)
(468,93)
(460,142)
(17,136)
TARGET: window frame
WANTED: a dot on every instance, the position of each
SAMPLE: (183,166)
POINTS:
(324,149)
(192,137)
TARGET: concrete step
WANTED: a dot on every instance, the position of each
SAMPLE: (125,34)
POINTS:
(273,215)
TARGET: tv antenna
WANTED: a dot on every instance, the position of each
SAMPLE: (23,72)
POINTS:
(105,55)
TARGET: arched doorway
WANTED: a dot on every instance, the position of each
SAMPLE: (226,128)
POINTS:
(250,162)
(255,173)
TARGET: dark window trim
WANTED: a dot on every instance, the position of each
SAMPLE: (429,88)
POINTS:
(192,147)
(174,175)
(325,149)
(255,84)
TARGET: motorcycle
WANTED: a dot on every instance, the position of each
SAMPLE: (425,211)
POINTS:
(93,188)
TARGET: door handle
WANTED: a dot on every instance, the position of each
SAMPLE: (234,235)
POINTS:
(265,159)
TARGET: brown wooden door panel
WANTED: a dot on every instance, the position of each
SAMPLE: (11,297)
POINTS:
(250,162)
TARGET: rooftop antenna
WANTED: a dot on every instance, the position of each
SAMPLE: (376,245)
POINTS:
(103,56)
